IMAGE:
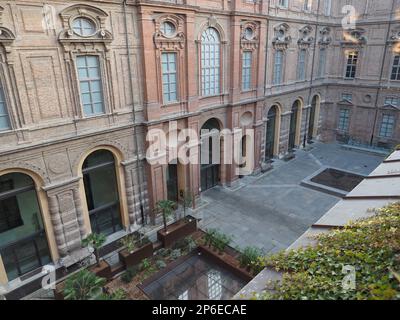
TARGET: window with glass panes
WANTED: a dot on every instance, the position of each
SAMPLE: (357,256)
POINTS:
(351,65)
(327,7)
(169,76)
(344,120)
(90,85)
(246,70)
(210,62)
(396,68)
(392,101)
(301,65)
(387,126)
(322,62)
(4,118)
(278,63)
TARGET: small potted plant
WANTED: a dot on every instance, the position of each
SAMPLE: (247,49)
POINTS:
(135,250)
(96,241)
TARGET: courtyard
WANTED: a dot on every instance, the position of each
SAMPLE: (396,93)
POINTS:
(272,210)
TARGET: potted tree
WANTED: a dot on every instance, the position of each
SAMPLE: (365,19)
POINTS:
(96,241)
(135,250)
(178,230)
(187,201)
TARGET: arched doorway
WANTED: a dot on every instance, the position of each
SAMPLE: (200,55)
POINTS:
(294,117)
(23,241)
(312,117)
(172,182)
(210,170)
(270,138)
(101,191)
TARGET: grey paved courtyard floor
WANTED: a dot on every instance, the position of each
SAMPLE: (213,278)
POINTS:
(272,210)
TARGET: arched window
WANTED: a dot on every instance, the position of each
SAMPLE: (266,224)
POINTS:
(84,27)
(210,62)
(23,242)
(101,190)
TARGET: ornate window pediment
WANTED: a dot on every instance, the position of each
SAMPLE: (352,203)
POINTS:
(249,35)
(6,35)
(84,24)
(305,37)
(282,38)
(354,37)
(394,39)
(169,32)
(325,38)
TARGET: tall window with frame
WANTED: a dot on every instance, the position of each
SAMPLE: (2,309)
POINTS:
(387,126)
(4,117)
(327,7)
(283,3)
(344,120)
(169,76)
(90,84)
(247,58)
(278,65)
(210,62)
(322,63)
(301,65)
(396,68)
(307,5)
(351,64)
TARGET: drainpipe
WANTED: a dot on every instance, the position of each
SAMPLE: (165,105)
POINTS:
(312,75)
(135,140)
(381,75)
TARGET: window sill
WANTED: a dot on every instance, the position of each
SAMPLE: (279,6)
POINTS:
(171,104)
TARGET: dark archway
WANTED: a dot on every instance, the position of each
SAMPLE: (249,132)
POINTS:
(210,170)
(293,125)
(270,138)
(101,190)
(23,241)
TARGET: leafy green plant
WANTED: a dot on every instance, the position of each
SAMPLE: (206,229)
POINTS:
(129,274)
(371,246)
(129,243)
(249,258)
(166,207)
(95,241)
(146,264)
(218,240)
(83,285)
(209,236)
(190,243)
(119,294)
(175,254)
(160,264)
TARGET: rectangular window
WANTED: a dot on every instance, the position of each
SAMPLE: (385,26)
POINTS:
(344,118)
(347,97)
(327,7)
(387,126)
(169,76)
(4,119)
(307,5)
(392,101)
(301,65)
(396,68)
(278,63)
(283,3)
(351,65)
(90,85)
(246,70)
(322,63)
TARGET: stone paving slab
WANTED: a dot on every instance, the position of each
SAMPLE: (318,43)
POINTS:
(273,210)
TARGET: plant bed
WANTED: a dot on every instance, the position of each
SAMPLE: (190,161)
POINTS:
(227,260)
(133,258)
(103,270)
(177,230)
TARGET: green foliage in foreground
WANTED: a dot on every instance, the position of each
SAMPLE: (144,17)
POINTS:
(371,246)
(83,285)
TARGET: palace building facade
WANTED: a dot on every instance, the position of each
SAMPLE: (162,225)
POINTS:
(83,83)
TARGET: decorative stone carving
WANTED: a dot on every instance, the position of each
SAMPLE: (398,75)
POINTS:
(281,40)
(305,37)
(176,40)
(97,16)
(325,37)
(249,35)
(354,37)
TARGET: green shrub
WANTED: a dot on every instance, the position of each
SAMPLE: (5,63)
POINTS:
(249,258)
(129,274)
(220,240)
(119,294)
(209,236)
(190,243)
(371,246)
(175,254)
(145,265)
(160,264)
(83,285)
